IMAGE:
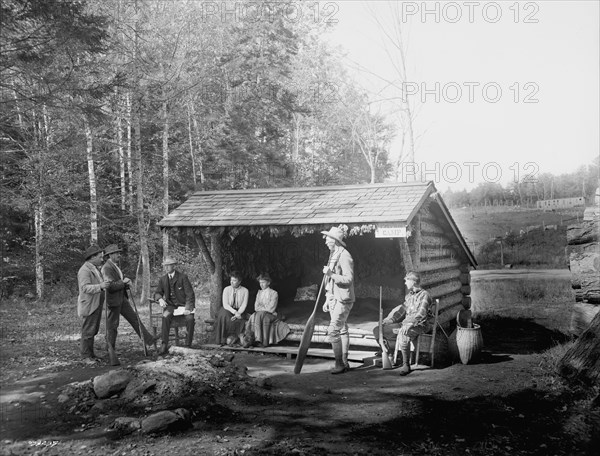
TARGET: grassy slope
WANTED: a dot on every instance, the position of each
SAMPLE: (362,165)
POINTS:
(538,248)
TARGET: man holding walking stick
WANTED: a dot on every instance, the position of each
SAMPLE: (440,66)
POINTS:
(116,299)
(339,296)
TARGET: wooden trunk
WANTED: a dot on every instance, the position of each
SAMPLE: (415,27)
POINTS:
(582,360)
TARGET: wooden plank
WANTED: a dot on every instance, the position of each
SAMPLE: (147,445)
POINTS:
(290,351)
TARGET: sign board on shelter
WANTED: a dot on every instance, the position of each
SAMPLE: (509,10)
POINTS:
(390,231)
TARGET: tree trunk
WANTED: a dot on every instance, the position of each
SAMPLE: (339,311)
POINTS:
(92,181)
(142,230)
(199,146)
(214,264)
(216,278)
(165,233)
(582,360)
(39,238)
(129,153)
(191,140)
(119,128)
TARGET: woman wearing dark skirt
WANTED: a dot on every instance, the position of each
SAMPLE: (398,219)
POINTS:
(264,324)
(231,319)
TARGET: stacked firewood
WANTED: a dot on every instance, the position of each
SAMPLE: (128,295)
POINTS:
(582,361)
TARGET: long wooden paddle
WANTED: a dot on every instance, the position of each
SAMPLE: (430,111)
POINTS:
(309,328)
(307,334)
(112,355)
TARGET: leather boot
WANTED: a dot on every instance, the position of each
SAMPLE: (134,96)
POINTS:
(405,369)
(339,367)
(345,349)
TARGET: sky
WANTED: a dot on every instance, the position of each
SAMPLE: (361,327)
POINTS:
(501,90)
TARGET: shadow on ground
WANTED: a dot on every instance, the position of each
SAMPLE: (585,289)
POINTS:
(517,336)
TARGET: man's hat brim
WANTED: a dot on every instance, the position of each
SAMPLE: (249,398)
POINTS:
(333,236)
(113,248)
(91,251)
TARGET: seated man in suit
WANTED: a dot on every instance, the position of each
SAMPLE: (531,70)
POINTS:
(175,290)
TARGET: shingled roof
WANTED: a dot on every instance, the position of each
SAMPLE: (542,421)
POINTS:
(314,207)
(356,204)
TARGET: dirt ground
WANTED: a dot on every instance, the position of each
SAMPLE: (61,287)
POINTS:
(506,404)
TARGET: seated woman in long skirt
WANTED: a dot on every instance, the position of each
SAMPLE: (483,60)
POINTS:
(264,327)
(231,319)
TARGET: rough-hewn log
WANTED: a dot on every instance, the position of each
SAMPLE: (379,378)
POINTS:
(445,288)
(466,302)
(445,263)
(582,361)
(405,253)
(465,278)
(432,226)
(431,277)
(432,239)
(584,262)
(583,232)
(450,300)
(449,307)
(428,252)
(466,289)
(582,315)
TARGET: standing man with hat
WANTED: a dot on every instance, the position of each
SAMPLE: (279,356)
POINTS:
(175,290)
(90,300)
(116,298)
(339,297)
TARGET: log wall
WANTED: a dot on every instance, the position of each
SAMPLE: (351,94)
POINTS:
(442,264)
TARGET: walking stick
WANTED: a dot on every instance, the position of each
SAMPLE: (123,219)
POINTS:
(112,355)
(385,357)
(140,326)
(309,329)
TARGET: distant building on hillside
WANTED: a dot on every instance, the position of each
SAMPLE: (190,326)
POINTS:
(561,203)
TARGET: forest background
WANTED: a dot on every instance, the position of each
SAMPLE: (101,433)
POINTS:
(115,111)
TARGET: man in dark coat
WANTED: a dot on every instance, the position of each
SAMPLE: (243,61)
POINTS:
(116,298)
(90,300)
(175,290)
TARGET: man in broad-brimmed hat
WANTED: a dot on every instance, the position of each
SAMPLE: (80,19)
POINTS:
(339,297)
(90,300)
(175,290)
(116,298)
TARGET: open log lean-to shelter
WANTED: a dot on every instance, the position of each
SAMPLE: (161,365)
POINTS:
(392,228)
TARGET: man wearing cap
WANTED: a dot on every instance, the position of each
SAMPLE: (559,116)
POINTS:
(90,300)
(116,298)
(175,290)
(339,297)
(409,319)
